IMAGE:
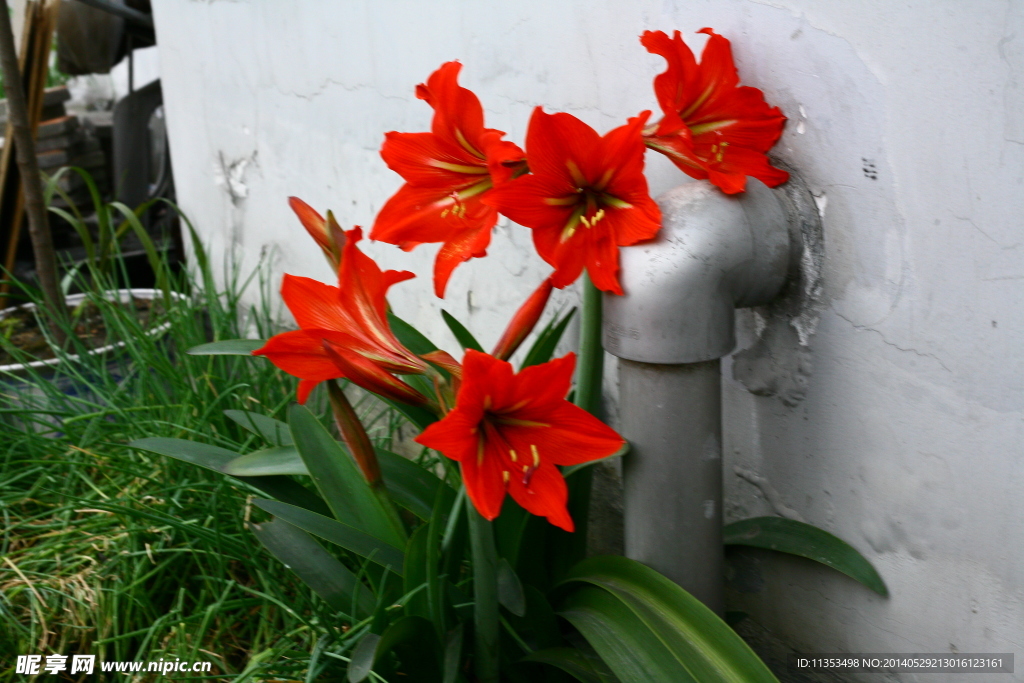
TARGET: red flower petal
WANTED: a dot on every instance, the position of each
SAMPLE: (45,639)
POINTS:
(543,492)
(585,195)
(300,355)
(712,128)
(370,376)
(508,431)
(446,171)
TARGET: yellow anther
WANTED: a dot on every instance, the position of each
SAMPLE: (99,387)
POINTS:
(505,476)
(536,455)
(512,454)
(593,220)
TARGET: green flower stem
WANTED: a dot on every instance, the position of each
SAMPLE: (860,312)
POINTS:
(485,596)
(361,448)
(571,548)
(590,370)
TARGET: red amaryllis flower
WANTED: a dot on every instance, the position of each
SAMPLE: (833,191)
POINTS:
(447,171)
(343,331)
(508,431)
(712,128)
(586,195)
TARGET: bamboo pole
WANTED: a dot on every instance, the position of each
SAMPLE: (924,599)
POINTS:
(31,183)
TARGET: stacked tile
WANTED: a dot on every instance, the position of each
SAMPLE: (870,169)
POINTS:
(62,140)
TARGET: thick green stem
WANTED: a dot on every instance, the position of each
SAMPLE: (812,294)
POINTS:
(485,596)
(361,448)
(590,370)
(568,549)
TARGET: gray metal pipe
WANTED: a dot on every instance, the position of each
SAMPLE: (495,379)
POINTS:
(715,253)
(673,511)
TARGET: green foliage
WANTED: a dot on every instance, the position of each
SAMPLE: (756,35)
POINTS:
(805,540)
(129,555)
(462,335)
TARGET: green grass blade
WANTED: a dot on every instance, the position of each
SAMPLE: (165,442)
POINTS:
(697,639)
(328,577)
(227,347)
(339,480)
(336,532)
(462,335)
(805,540)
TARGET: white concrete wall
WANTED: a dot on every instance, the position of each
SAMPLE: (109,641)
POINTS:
(907,119)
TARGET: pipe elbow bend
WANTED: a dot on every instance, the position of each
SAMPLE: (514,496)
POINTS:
(714,253)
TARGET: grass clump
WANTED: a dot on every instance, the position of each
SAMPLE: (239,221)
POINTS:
(131,556)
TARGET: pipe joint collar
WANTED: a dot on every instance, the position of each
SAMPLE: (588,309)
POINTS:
(714,253)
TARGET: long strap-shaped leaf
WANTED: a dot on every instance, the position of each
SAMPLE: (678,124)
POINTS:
(336,532)
(328,577)
(411,486)
(217,459)
(274,431)
(805,540)
(625,643)
(339,480)
(698,640)
(228,347)
(573,662)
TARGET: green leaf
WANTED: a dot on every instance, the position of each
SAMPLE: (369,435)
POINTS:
(573,662)
(211,457)
(228,347)
(412,639)
(336,532)
(462,335)
(625,643)
(328,577)
(674,621)
(413,487)
(410,337)
(339,480)
(538,625)
(510,590)
(273,431)
(420,417)
(805,540)
(269,461)
(415,572)
(547,340)
(217,459)
(452,654)
(363,657)
(287,490)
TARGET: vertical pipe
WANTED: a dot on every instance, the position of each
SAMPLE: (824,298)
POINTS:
(672,417)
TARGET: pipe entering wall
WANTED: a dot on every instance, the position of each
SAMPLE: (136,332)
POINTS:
(715,253)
